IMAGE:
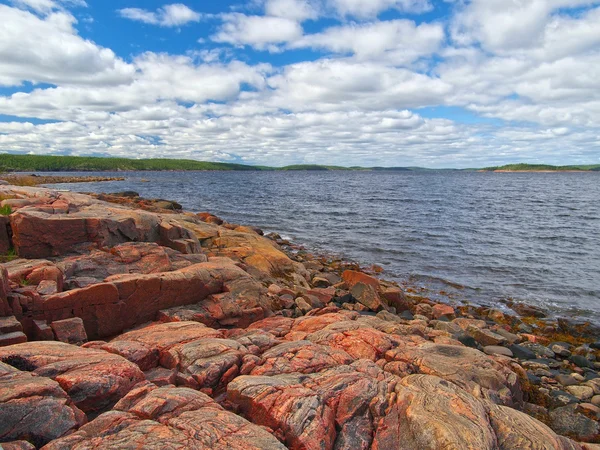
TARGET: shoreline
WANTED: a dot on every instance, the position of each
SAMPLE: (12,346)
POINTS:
(186,301)
(37,180)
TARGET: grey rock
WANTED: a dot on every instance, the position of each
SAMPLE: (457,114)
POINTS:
(566,380)
(539,350)
(567,421)
(497,350)
(580,361)
(521,352)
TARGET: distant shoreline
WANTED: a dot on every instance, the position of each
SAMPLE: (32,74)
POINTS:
(536,171)
(40,163)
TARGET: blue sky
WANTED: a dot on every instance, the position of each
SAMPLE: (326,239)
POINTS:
(434,83)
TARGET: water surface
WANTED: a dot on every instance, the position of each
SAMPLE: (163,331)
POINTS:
(484,237)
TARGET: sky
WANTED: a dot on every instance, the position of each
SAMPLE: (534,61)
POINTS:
(430,83)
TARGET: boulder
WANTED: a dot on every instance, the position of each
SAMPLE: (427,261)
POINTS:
(124,301)
(316,411)
(468,368)
(352,278)
(486,337)
(16,337)
(70,331)
(211,362)
(568,421)
(440,310)
(169,417)
(94,379)
(300,357)
(34,408)
(147,345)
(429,414)
(368,296)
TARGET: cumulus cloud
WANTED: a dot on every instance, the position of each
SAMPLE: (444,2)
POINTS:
(174,15)
(372,8)
(521,77)
(298,10)
(398,41)
(49,50)
(261,32)
(47,6)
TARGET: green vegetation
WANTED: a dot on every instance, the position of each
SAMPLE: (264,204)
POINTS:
(9,256)
(313,167)
(38,163)
(5,210)
(543,167)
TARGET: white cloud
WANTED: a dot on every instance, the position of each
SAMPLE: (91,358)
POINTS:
(48,50)
(358,99)
(261,32)
(174,15)
(47,6)
(500,25)
(298,10)
(398,41)
(372,8)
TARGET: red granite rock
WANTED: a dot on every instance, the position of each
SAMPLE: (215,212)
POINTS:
(42,331)
(358,341)
(70,331)
(468,368)
(16,337)
(10,324)
(277,325)
(211,362)
(93,379)
(430,413)
(367,295)
(316,411)
(440,310)
(300,357)
(145,346)
(352,278)
(34,408)
(175,418)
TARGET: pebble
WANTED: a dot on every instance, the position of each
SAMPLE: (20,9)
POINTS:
(497,350)
(580,361)
(539,350)
(566,380)
(510,337)
(560,350)
(578,377)
(581,392)
(521,352)
(407,315)
(596,400)
(562,398)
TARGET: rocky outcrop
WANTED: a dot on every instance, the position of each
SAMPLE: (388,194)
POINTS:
(216,337)
(93,379)
(34,408)
(157,418)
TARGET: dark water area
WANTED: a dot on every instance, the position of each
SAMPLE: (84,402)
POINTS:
(481,237)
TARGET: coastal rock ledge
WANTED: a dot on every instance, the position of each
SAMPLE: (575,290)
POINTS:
(126,323)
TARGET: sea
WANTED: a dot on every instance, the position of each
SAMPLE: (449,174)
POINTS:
(466,237)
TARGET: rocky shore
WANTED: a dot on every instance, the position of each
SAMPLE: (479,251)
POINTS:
(37,180)
(130,323)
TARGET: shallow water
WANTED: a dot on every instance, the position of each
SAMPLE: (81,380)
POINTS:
(482,237)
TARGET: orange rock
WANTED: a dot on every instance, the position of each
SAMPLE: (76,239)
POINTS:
(441,310)
(351,278)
